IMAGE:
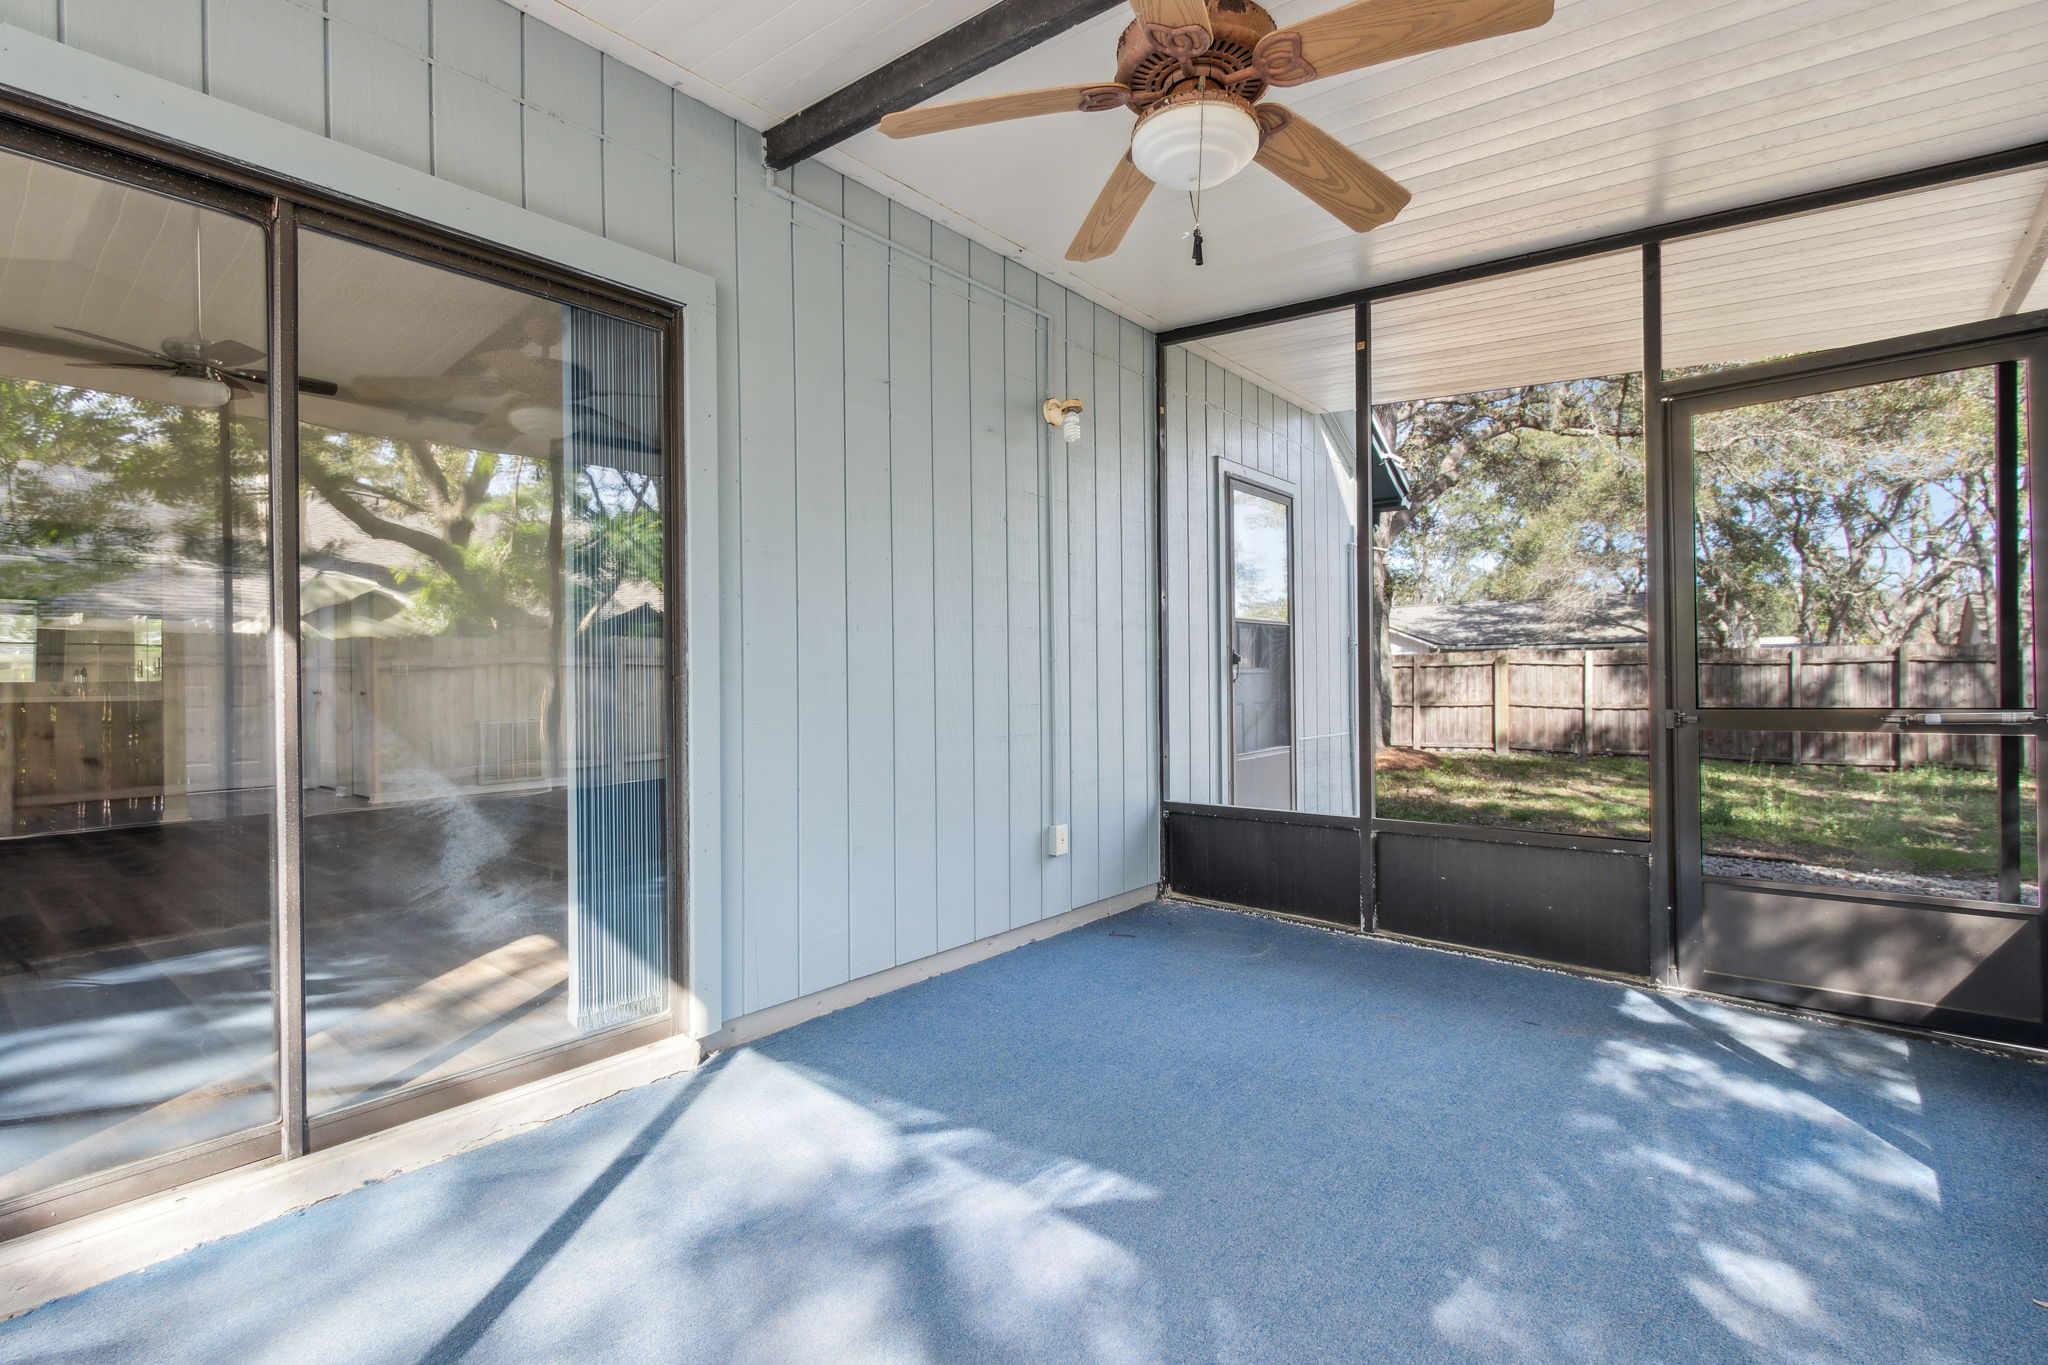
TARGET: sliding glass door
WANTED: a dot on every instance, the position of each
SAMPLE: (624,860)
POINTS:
(135,776)
(482,517)
(460,877)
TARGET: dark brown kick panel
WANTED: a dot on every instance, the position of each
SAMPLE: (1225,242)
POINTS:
(1574,907)
(1289,868)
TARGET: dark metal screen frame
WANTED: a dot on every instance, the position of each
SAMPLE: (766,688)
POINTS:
(2002,345)
(1666,779)
(280,206)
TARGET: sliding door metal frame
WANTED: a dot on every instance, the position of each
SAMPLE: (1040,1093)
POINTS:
(288,919)
(90,138)
(280,207)
(466,260)
(98,1190)
(318,1132)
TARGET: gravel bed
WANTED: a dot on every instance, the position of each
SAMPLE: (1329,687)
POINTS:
(1781,870)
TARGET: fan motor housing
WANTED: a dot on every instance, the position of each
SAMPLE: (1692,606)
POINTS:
(1150,65)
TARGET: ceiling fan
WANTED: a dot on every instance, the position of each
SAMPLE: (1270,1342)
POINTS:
(204,374)
(1195,71)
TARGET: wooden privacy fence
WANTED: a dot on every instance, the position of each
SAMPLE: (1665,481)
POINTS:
(1596,701)
(385,720)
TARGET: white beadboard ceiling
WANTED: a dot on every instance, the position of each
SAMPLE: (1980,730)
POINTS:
(1615,115)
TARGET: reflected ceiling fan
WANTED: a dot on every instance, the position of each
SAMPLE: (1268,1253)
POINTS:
(1195,71)
(204,374)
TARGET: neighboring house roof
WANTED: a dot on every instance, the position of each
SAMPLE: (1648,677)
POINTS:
(1599,619)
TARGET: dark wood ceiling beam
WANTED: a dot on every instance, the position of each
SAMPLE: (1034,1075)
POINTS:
(995,35)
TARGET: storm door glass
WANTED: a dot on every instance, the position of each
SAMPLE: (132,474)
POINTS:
(135,781)
(1262,653)
(482,523)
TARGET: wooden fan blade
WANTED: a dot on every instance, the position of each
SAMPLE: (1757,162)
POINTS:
(1374,31)
(1114,211)
(939,118)
(1172,13)
(1358,194)
(164,365)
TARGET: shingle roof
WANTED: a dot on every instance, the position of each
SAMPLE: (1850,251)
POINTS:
(1604,619)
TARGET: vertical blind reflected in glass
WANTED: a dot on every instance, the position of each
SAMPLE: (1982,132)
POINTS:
(1847,549)
(1259,540)
(1514,678)
(135,782)
(482,522)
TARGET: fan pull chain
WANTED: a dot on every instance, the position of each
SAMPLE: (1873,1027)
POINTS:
(1201,150)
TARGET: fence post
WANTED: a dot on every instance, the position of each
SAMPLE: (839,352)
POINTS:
(1585,703)
(1901,661)
(7,761)
(1792,679)
(1414,703)
(1503,717)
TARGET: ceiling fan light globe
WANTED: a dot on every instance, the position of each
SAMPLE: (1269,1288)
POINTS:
(198,391)
(1194,146)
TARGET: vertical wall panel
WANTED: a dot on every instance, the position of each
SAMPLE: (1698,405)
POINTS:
(563,76)
(870,618)
(1023,423)
(912,526)
(377,96)
(37,16)
(953,592)
(936,619)
(404,22)
(564,170)
(268,57)
(636,110)
(161,37)
(477,138)
(819,550)
(637,208)
(1084,730)
(766,807)
(479,38)
(988,488)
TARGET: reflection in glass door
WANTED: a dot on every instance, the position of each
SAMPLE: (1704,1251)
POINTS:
(483,515)
(1855,676)
(135,780)
(1262,648)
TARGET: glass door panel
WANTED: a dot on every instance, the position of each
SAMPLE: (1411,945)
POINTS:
(1262,648)
(482,521)
(135,775)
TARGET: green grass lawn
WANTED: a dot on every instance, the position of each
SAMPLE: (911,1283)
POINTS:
(1931,821)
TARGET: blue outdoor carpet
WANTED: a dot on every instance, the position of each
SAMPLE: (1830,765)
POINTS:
(1187,1135)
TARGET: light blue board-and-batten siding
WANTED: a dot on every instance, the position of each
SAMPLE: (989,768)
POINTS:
(1217,423)
(937,623)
